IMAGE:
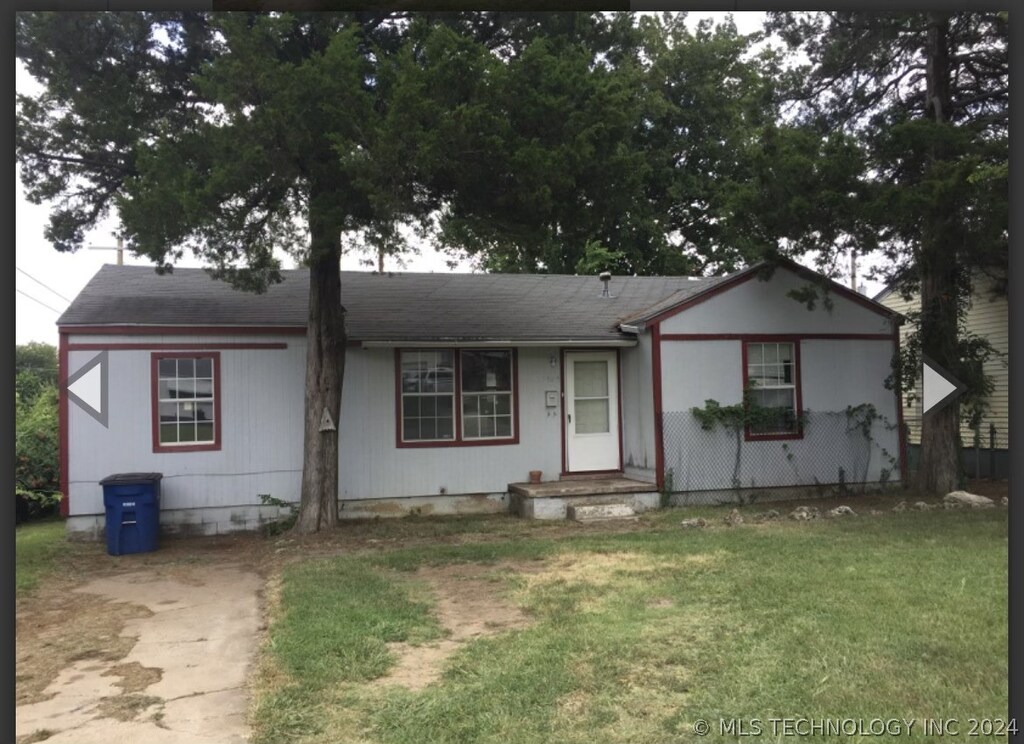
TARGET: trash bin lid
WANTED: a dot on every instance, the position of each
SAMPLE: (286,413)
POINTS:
(125,479)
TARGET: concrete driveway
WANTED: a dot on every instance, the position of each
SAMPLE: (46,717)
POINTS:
(183,682)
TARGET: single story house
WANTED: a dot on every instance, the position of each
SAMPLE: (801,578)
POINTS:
(457,386)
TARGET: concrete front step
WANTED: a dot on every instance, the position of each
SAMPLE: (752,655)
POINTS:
(599,512)
(557,507)
(552,500)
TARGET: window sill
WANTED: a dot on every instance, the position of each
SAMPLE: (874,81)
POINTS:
(213,447)
(748,437)
(459,443)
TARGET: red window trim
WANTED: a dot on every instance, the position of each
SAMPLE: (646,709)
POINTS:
(62,425)
(750,272)
(795,340)
(155,358)
(178,330)
(176,347)
(458,441)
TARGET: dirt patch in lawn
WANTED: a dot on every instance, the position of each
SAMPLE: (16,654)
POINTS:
(604,569)
(469,605)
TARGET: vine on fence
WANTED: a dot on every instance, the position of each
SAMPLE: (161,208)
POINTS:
(862,418)
(738,417)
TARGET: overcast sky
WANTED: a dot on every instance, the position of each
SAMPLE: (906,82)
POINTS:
(65,274)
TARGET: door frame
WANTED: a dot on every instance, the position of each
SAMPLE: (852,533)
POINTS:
(562,412)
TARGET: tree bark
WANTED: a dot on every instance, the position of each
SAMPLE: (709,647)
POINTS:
(939,465)
(325,371)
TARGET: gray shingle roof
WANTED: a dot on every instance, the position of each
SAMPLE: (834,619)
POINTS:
(388,307)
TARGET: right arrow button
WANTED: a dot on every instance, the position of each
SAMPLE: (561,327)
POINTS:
(939,387)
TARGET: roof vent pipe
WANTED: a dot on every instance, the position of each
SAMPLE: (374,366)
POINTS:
(605,277)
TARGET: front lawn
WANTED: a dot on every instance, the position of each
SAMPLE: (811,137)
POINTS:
(634,636)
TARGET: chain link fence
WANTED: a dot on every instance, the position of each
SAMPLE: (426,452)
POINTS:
(838,452)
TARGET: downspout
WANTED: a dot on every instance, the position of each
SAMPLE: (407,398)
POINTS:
(659,432)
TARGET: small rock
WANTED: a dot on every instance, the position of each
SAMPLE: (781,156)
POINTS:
(1005,501)
(972,500)
(842,511)
(900,507)
(767,516)
(734,518)
(924,506)
(698,522)
(876,512)
(952,505)
(805,513)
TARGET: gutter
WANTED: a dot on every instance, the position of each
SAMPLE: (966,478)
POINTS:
(505,343)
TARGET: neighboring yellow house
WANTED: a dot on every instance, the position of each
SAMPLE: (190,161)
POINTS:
(988,317)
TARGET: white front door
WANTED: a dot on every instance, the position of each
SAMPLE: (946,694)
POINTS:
(591,411)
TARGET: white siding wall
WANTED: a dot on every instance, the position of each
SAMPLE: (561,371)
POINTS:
(261,429)
(638,410)
(373,467)
(694,371)
(262,414)
(757,306)
(834,374)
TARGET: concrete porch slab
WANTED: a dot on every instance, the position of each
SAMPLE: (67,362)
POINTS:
(552,500)
(590,487)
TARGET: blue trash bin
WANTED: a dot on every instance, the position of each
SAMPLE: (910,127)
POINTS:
(132,503)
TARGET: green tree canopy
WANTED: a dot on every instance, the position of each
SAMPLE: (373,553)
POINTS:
(35,368)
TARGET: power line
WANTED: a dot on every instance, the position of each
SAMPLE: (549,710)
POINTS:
(41,284)
(39,301)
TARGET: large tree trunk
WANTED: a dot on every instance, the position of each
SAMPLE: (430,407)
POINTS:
(939,465)
(325,370)
(938,468)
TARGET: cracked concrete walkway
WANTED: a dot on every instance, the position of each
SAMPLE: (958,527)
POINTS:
(197,646)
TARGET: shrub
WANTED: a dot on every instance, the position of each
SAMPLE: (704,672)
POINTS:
(37,455)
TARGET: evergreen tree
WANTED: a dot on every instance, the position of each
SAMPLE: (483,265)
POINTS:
(925,98)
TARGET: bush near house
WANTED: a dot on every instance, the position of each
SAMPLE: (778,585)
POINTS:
(37,448)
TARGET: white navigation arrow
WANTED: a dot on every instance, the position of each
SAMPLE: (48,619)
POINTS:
(87,387)
(939,387)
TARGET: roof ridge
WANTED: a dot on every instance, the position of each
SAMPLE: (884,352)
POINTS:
(297,269)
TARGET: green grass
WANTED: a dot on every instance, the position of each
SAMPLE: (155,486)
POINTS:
(899,616)
(38,546)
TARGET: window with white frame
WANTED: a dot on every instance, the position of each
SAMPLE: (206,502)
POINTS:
(456,396)
(772,376)
(186,401)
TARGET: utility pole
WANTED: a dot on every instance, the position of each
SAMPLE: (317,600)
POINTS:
(119,248)
(853,269)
